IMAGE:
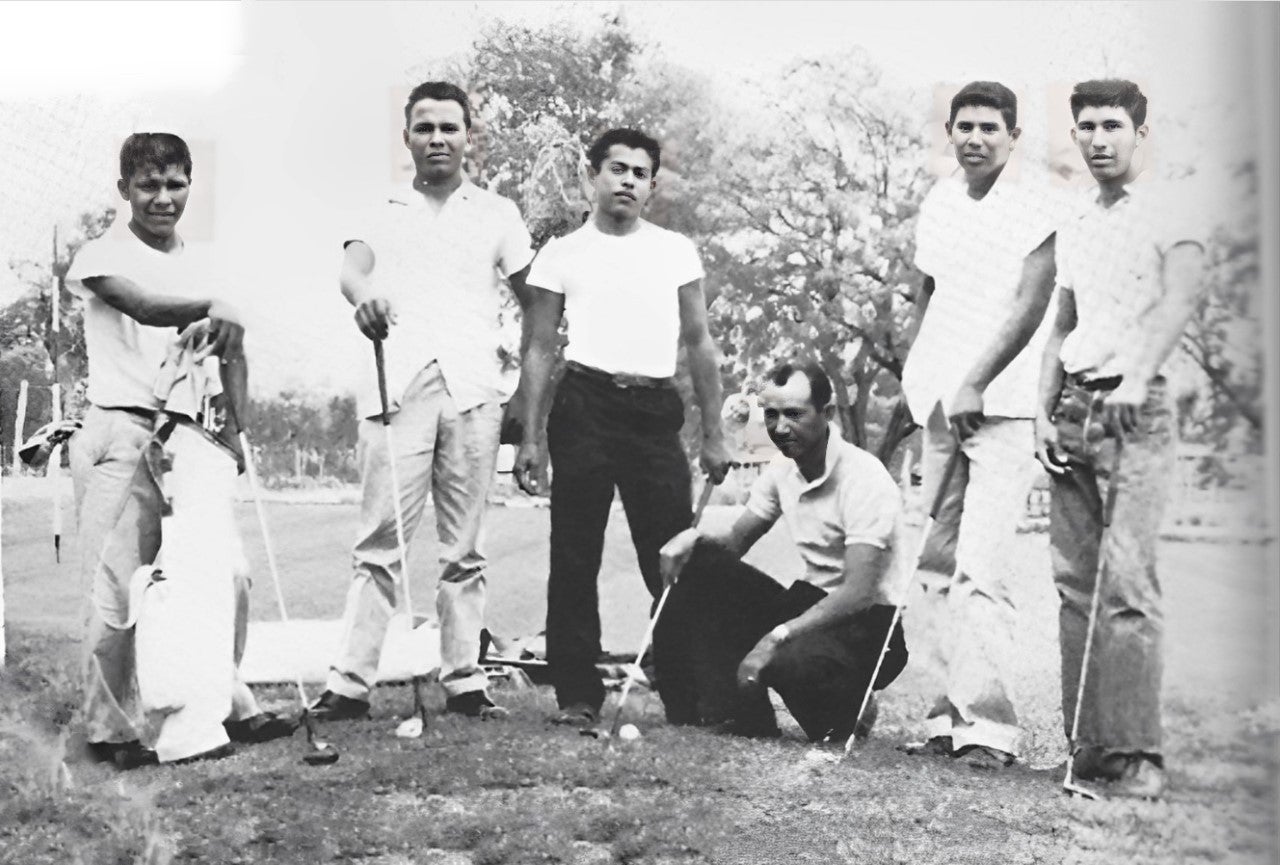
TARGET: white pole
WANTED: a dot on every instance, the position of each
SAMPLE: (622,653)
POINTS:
(19,423)
(55,458)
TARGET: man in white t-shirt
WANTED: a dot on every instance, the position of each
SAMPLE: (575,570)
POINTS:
(140,284)
(427,272)
(985,245)
(730,631)
(1130,276)
(632,293)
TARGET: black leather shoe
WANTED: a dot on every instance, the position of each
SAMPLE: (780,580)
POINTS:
(262,727)
(335,707)
(475,704)
(125,755)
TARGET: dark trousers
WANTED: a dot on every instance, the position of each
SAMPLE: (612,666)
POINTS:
(602,436)
(719,610)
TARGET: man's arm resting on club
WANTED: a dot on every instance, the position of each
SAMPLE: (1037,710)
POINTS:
(864,569)
(705,372)
(222,336)
(1035,289)
(542,321)
(1182,278)
(737,540)
(1051,376)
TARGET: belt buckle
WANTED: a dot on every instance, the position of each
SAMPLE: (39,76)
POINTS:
(627,380)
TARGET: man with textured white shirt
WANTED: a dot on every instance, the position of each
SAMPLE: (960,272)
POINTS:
(985,244)
(1130,276)
(633,295)
(426,272)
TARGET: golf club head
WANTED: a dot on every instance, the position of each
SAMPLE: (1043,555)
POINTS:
(320,754)
(594,733)
(1072,787)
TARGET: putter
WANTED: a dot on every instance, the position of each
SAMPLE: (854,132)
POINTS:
(1070,785)
(948,473)
(320,753)
(705,497)
(413,726)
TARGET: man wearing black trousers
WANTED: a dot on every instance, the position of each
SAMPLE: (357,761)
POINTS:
(633,295)
(730,632)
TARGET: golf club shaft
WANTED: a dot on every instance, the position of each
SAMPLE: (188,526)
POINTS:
(379,358)
(707,489)
(948,473)
(1094,602)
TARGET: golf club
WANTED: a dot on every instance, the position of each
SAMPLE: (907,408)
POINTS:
(705,497)
(947,473)
(1070,785)
(320,753)
(413,726)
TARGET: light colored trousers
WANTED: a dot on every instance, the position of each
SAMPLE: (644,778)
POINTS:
(453,454)
(969,558)
(119,524)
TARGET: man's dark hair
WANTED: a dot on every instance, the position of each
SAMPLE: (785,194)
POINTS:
(1108,93)
(441,91)
(633,138)
(988,94)
(819,383)
(155,150)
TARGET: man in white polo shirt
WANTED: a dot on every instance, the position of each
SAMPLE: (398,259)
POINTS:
(731,631)
(633,295)
(985,245)
(426,273)
(1131,275)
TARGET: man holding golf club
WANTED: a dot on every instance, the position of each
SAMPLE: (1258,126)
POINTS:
(1130,273)
(730,632)
(985,244)
(633,295)
(426,273)
(141,286)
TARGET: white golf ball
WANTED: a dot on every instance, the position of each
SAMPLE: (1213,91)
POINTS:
(410,728)
(628,732)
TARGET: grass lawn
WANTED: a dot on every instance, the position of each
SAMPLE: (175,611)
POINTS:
(522,791)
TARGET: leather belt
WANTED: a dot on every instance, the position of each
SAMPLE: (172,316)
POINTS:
(619,379)
(1106,382)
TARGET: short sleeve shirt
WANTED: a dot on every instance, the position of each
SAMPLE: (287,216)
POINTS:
(444,274)
(125,356)
(975,250)
(855,501)
(621,295)
(1112,259)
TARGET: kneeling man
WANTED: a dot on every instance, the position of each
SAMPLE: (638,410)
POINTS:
(730,632)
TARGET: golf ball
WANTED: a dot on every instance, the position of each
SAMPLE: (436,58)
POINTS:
(629,732)
(410,728)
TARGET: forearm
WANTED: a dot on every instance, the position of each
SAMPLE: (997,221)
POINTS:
(1163,327)
(1034,293)
(1051,375)
(535,383)
(707,390)
(353,278)
(923,297)
(153,310)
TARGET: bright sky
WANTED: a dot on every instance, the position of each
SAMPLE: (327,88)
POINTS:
(290,108)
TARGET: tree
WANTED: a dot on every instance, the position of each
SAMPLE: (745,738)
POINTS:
(813,236)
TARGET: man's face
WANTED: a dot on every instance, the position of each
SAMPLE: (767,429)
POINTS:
(157,197)
(1107,140)
(437,138)
(794,425)
(981,141)
(624,182)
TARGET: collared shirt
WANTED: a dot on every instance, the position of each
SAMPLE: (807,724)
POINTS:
(621,295)
(975,250)
(125,356)
(444,275)
(1112,258)
(855,501)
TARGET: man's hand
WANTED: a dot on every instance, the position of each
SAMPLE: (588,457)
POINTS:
(754,663)
(675,554)
(1122,406)
(530,468)
(220,334)
(1047,446)
(374,317)
(715,459)
(966,411)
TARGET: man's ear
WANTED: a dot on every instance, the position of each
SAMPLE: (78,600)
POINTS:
(1013,135)
(123,186)
(829,411)
(1073,134)
(1141,132)
(404,136)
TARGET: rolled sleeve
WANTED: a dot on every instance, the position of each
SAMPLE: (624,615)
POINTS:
(516,245)
(545,270)
(764,500)
(870,514)
(926,257)
(687,264)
